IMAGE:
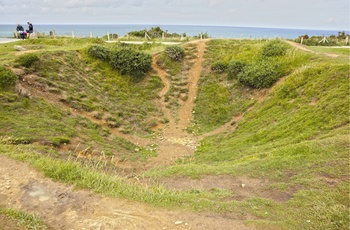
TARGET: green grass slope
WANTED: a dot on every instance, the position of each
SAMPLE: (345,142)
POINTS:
(68,82)
(294,136)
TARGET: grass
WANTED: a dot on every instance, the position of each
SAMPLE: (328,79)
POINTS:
(22,219)
(97,87)
(73,78)
(87,177)
(177,70)
(344,51)
(220,98)
(296,137)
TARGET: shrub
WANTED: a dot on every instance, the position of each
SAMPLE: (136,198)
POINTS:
(219,66)
(129,61)
(234,68)
(274,48)
(27,60)
(176,53)
(99,52)
(7,78)
(262,74)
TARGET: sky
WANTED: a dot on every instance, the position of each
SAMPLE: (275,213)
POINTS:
(299,14)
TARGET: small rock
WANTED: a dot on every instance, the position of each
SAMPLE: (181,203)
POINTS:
(178,222)
(242,185)
(20,48)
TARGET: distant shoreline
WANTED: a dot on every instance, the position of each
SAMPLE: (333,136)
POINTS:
(100,30)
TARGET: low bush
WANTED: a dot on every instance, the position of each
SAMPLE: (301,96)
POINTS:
(261,74)
(234,68)
(219,66)
(132,62)
(176,53)
(27,60)
(99,52)
(274,48)
(7,78)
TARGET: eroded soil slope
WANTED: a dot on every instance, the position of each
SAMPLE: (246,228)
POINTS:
(62,207)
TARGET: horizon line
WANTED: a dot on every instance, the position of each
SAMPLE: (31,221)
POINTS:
(151,24)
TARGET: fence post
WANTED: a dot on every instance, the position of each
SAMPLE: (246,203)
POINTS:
(108,36)
(90,34)
(324,40)
(346,40)
(72,34)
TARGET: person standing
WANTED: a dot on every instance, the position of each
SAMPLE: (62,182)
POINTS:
(30,28)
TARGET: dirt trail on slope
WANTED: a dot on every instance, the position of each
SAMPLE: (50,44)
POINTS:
(302,47)
(62,207)
(174,141)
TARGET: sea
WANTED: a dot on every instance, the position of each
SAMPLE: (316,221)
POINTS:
(100,30)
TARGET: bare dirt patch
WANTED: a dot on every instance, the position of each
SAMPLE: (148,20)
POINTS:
(240,187)
(62,207)
(8,223)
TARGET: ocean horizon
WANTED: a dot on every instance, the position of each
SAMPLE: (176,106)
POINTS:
(100,30)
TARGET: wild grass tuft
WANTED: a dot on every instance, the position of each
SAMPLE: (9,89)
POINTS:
(23,219)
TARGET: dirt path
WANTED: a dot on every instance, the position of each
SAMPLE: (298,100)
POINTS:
(302,47)
(62,207)
(185,114)
(174,141)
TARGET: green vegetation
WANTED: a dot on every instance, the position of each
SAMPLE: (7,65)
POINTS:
(292,136)
(154,32)
(231,66)
(274,48)
(296,137)
(27,60)
(130,61)
(177,61)
(126,60)
(100,52)
(7,78)
(22,219)
(176,53)
(260,72)
(333,40)
(72,78)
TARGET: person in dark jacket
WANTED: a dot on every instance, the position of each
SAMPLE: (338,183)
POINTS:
(19,28)
(21,31)
(30,28)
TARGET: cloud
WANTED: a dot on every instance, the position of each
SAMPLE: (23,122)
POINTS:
(331,19)
(275,13)
(214,2)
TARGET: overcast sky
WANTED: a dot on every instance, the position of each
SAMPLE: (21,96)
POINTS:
(301,14)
